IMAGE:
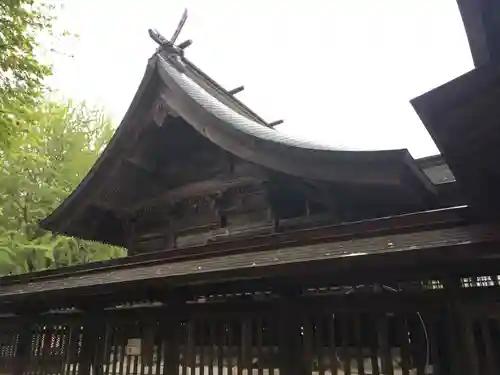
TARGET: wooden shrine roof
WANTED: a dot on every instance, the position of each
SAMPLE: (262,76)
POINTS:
(463,118)
(185,103)
(463,115)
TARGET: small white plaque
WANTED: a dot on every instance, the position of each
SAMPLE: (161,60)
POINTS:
(134,347)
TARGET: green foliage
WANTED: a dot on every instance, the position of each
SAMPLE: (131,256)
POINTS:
(44,164)
(22,71)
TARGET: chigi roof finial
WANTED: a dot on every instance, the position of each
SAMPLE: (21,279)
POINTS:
(168,48)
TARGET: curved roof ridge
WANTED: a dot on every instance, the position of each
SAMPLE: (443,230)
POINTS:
(257,128)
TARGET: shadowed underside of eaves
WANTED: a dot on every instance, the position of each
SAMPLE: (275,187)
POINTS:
(213,114)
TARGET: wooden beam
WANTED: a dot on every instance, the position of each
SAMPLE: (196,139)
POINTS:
(481,19)
(242,175)
(275,123)
(185,44)
(236,90)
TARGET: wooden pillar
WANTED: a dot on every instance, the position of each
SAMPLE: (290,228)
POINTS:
(170,329)
(291,356)
(465,359)
(93,329)
(482,24)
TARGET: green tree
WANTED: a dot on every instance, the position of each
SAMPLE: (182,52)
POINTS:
(22,71)
(42,167)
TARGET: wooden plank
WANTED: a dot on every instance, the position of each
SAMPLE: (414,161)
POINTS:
(220,349)
(212,345)
(202,345)
(384,345)
(491,364)
(346,340)
(404,344)
(359,345)
(160,358)
(374,347)
(332,347)
(171,342)
(469,344)
(354,253)
(123,355)
(419,341)
(308,325)
(319,343)
(260,346)
(190,345)
(246,347)
(116,350)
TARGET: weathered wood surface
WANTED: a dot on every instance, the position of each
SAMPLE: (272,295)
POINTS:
(456,242)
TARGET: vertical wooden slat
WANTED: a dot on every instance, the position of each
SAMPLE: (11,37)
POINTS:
(383,343)
(237,345)
(374,349)
(405,345)
(127,363)
(107,348)
(201,344)
(211,346)
(260,345)
(246,346)
(291,360)
(307,338)
(172,333)
(160,343)
(332,347)
(359,344)
(76,347)
(221,339)
(273,338)
(185,352)
(115,350)
(92,325)
(469,343)
(435,355)
(123,353)
(101,360)
(489,352)
(230,345)
(418,331)
(319,344)
(346,355)
(134,365)
(191,356)
(147,355)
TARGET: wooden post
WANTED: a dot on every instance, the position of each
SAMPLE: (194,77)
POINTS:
(465,359)
(291,357)
(170,329)
(93,328)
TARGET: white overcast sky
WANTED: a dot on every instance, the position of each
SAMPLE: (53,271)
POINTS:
(339,71)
